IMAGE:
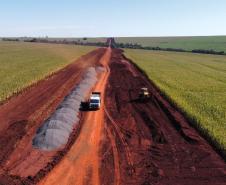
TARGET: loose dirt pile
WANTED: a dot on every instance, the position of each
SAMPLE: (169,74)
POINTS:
(151,142)
(58,127)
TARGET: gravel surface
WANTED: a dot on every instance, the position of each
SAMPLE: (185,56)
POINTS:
(57,128)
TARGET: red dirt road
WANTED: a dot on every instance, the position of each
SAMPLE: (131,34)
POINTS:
(81,163)
(23,114)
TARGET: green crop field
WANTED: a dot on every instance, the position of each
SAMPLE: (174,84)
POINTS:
(22,64)
(217,43)
(194,82)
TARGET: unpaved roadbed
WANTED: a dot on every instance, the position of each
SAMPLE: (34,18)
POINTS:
(125,142)
(23,114)
(151,143)
(82,162)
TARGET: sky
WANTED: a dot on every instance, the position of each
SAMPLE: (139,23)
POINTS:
(105,18)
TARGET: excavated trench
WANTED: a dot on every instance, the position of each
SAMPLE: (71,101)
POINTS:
(151,142)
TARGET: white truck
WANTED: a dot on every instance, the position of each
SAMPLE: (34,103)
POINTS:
(95,100)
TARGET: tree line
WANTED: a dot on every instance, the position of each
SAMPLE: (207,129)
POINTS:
(85,42)
(138,46)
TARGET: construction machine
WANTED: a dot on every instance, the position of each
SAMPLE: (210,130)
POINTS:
(144,94)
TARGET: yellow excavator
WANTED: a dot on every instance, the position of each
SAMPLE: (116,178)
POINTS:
(144,94)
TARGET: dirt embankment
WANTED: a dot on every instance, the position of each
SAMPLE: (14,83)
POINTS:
(21,116)
(151,142)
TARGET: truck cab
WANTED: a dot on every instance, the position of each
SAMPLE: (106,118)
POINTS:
(95,100)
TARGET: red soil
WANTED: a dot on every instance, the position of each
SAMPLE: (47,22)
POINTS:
(126,142)
(81,164)
(23,114)
(151,142)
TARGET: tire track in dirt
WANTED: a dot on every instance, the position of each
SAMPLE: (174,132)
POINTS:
(85,151)
(122,140)
(155,143)
(23,114)
(117,175)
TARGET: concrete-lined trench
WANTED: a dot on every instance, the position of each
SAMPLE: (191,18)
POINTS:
(56,130)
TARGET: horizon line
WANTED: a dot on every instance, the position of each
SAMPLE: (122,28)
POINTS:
(110,36)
